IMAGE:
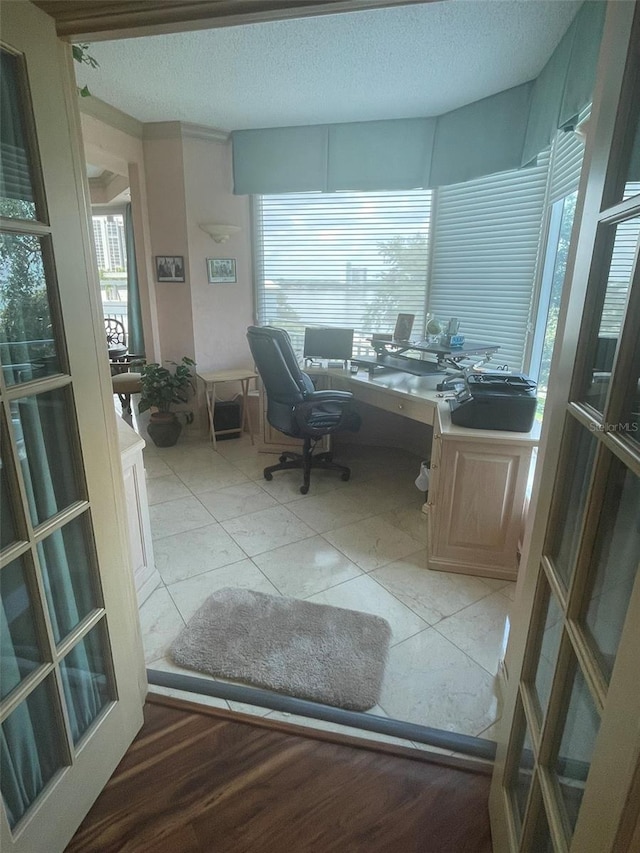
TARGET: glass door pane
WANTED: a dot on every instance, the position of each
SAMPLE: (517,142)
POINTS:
(541,839)
(602,349)
(524,776)
(69,572)
(28,346)
(21,651)
(578,454)
(520,761)
(8,531)
(32,751)
(548,653)
(86,681)
(632,173)
(614,564)
(630,419)
(17,193)
(579,733)
(47,444)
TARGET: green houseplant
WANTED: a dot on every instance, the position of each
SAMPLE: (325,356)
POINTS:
(162,387)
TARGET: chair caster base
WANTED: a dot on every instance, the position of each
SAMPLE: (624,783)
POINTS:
(301,461)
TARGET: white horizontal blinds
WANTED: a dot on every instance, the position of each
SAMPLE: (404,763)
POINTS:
(485,246)
(625,247)
(352,259)
(566,165)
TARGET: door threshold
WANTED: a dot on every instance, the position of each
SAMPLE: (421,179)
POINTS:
(480,749)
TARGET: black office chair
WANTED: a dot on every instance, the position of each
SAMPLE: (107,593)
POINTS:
(295,408)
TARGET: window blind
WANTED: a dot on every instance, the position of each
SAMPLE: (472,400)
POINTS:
(484,253)
(623,258)
(351,259)
(566,165)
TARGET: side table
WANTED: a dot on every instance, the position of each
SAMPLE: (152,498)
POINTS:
(211,378)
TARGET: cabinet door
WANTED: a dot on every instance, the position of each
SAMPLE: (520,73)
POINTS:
(477,507)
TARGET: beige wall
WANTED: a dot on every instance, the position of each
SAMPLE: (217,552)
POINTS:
(167,224)
(181,176)
(221,312)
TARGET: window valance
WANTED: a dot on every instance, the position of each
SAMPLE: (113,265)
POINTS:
(504,131)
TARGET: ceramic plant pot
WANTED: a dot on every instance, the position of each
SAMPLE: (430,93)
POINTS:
(164,428)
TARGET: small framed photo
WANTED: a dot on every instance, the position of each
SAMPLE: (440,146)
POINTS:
(221,270)
(169,267)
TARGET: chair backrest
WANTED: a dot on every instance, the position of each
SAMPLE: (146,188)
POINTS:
(285,384)
(116,335)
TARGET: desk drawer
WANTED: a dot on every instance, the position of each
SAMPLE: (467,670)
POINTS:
(381,398)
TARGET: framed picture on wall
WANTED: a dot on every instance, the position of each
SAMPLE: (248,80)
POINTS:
(169,267)
(221,270)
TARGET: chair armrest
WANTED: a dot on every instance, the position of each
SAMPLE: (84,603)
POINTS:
(340,397)
(315,402)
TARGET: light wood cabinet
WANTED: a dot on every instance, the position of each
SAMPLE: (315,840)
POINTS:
(476,500)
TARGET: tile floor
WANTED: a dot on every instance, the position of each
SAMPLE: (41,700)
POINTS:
(216,522)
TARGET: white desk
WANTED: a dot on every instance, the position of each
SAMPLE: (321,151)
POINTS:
(478,477)
(211,378)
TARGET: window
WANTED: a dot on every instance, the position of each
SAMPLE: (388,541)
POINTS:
(555,265)
(482,251)
(486,235)
(567,152)
(111,253)
(353,259)
(565,172)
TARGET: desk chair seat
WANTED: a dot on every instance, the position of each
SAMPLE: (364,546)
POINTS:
(124,385)
(124,381)
(295,408)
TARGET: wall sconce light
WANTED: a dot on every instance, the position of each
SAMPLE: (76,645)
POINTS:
(219,231)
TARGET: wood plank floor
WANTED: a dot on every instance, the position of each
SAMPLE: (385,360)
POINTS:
(202,782)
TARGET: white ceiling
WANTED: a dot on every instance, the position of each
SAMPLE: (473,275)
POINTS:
(399,62)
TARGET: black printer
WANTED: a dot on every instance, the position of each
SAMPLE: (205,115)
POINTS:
(498,400)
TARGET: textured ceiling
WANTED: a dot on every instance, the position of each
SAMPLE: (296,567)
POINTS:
(398,62)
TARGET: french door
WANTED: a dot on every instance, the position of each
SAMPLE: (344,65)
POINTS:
(567,775)
(71,672)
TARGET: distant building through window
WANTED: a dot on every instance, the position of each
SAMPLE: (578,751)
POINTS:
(108,234)
(111,255)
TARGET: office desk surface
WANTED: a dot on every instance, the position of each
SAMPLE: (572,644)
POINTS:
(421,390)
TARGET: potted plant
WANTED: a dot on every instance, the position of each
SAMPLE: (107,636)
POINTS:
(161,388)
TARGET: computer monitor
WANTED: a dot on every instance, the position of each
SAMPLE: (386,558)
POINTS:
(328,342)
